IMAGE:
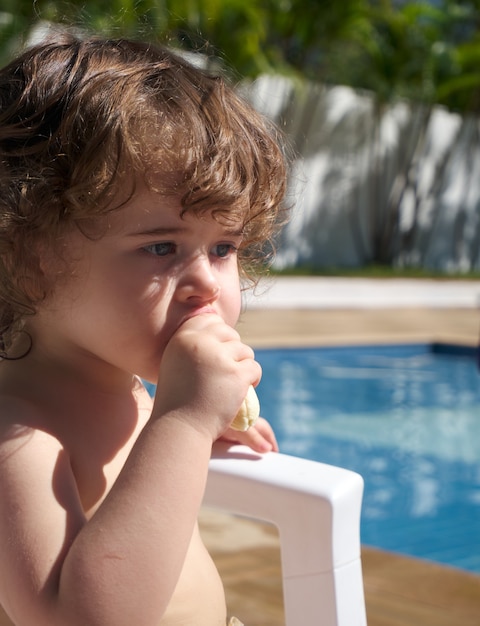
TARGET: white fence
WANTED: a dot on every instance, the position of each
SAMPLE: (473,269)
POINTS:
(396,184)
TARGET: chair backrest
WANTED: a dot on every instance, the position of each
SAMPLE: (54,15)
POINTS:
(316,508)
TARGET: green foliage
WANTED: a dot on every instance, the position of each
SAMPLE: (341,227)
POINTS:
(419,49)
(375,271)
(412,51)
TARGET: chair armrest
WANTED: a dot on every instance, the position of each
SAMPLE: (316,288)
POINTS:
(316,508)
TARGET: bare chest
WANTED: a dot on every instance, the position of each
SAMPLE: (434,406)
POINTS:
(98,454)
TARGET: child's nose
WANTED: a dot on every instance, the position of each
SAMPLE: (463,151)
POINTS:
(198,282)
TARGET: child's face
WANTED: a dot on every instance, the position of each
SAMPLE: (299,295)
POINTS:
(132,288)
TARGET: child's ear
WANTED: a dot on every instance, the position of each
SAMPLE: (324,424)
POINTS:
(34,280)
(52,259)
(43,258)
(48,267)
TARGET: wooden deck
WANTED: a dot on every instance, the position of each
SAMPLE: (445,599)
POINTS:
(399,591)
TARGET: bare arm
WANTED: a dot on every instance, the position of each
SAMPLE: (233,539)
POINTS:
(122,566)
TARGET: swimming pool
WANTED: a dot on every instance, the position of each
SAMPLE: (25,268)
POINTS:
(407,418)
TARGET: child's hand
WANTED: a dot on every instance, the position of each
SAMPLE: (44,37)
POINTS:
(205,374)
(260,437)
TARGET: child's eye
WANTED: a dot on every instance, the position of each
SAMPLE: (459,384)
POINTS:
(161,249)
(223,250)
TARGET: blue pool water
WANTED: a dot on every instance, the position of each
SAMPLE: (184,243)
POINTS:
(407,418)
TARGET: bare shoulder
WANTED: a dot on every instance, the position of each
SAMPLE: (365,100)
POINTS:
(16,415)
(37,497)
(33,461)
(21,425)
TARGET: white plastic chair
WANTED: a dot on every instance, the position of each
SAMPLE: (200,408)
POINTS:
(316,508)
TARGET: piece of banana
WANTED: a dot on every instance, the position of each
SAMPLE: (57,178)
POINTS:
(248,412)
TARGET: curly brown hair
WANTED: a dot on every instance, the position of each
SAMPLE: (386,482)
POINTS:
(80,115)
